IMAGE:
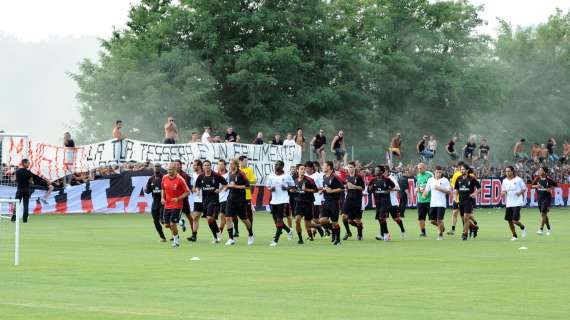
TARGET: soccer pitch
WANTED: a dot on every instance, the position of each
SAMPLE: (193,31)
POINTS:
(113,267)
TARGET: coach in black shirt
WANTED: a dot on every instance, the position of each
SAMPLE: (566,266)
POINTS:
(25,180)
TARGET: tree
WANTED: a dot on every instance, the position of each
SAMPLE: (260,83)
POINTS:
(535,83)
(369,67)
(147,73)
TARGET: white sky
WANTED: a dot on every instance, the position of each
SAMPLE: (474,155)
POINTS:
(518,12)
(34,20)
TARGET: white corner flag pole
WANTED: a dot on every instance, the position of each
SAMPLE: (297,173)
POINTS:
(17,240)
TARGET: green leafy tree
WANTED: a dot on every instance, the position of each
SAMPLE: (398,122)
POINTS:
(534,76)
(147,73)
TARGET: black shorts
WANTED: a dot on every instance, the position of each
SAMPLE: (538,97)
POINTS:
(289,208)
(544,205)
(278,210)
(513,214)
(466,206)
(157,211)
(235,209)
(353,209)
(423,210)
(169,141)
(304,209)
(223,207)
(381,211)
(198,207)
(394,212)
(317,211)
(436,213)
(455,205)
(186,206)
(171,216)
(330,210)
(212,209)
(247,212)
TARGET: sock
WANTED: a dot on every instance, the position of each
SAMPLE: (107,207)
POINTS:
(522,227)
(213,227)
(474,221)
(547,223)
(452,228)
(359,230)
(320,230)
(401,225)
(423,231)
(337,230)
(194,233)
(278,233)
(231,233)
(300,236)
(250,232)
(236,227)
(286,228)
(385,225)
(345,223)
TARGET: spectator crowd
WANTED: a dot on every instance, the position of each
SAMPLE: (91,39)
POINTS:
(526,159)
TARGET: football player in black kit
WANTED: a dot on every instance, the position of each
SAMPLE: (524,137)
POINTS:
(332,188)
(544,185)
(153,186)
(210,184)
(352,208)
(380,186)
(311,172)
(290,207)
(237,183)
(467,187)
(303,195)
(404,183)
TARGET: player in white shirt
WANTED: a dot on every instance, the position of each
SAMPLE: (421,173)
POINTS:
(279,183)
(514,188)
(394,209)
(198,206)
(440,190)
(223,195)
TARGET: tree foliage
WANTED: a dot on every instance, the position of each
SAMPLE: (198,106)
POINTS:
(369,67)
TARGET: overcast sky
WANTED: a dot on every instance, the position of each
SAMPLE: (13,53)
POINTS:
(34,21)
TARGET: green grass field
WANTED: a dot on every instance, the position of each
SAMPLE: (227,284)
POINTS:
(113,267)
